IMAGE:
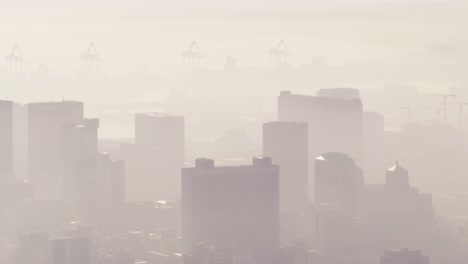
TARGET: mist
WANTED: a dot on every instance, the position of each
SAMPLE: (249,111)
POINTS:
(219,132)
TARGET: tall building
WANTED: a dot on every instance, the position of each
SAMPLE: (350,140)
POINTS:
(338,180)
(6,140)
(46,124)
(334,117)
(32,248)
(236,205)
(112,181)
(80,164)
(20,141)
(153,163)
(397,179)
(286,144)
(373,146)
(160,131)
(73,250)
(397,213)
(403,199)
(209,253)
(404,256)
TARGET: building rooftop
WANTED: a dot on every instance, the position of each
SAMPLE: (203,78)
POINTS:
(156,114)
(396,168)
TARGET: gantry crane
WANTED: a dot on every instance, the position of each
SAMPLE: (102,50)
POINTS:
(444,103)
(279,54)
(191,57)
(90,59)
(408,112)
(409,109)
(14,61)
(461,106)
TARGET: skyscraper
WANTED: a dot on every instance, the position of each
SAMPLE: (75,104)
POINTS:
(80,164)
(46,124)
(286,144)
(338,180)
(6,140)
(334,117)
(403,256)
(373,146)
(33,248)
(112,181)
(206,253)
(153,163)
(72,250)
(236,205)
(397,179)
(20,140)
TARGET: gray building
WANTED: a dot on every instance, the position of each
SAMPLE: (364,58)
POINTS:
(73,250)
(338,181)
(335,119)
(404,256)
(46,124)
(236,205)
(154,161)
(286,144)
(6,140)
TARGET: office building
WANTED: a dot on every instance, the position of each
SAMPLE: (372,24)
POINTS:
(32,248)
(153,163)
(237,205)
(338,181)
(112,181)
(209,253)
(334,117)
(20,141)
(46,124)
(6,140)
(73,250)
(404,256)
(80,165)
(286,144)
(373,146)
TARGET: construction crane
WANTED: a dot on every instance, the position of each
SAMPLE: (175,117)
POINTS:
(408,112)
(461,106)
(191,57)
(409,109)
(279,54)
(437,113)
(90,59)
(14,61)
(445,97)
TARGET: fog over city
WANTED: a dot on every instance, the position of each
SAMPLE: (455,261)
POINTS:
(233,132)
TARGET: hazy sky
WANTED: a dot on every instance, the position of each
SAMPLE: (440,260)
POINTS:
(135,35)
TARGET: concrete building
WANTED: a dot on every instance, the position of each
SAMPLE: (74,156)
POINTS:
(236,205)
(80,165)
(404,256)
(210,253)
(6,140)
(373,146)
(112,181)
(32,248)
(20,141)
(338,181)
(296,253)
(397,179)
(334,117)
(286,144)
(398,214)
(153,163)
(73,250)
(46,124)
